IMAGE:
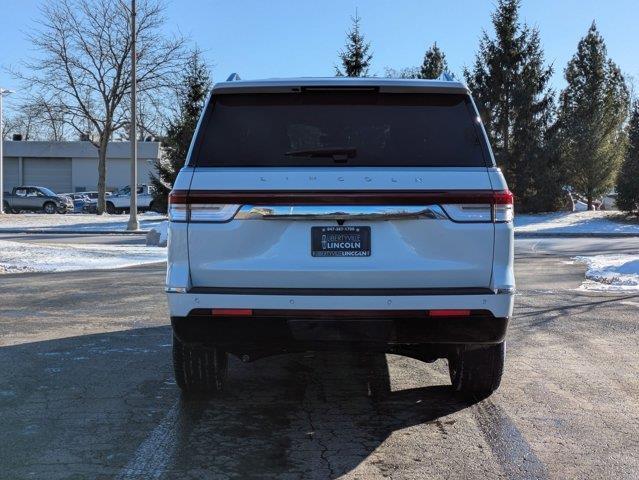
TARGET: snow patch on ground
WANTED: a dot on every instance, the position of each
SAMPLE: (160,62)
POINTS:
(589,222)
(158,236)
(17,257)
(163,230)
(611,272)
(79,221)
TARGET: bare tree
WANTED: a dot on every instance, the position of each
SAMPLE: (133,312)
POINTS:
(37,119)
(24,121)
(51,118)
(11,125)
(83,68)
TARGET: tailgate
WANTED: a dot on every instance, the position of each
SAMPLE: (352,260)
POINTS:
(268,244)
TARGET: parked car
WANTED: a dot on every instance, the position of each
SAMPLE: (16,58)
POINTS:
(80,202)
(35,198)
(94,195)
(349,214)
(120,201)
(92,203)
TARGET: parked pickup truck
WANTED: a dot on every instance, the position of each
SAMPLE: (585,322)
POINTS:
(120,201)
(36,199)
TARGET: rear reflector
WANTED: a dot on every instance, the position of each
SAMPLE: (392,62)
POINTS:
(449,313)
(232,312)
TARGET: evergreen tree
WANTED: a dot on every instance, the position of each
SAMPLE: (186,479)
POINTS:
(406,72)
(356,57)
(593,110)
(628,182)
(192,95)
(434,63)
(510,84)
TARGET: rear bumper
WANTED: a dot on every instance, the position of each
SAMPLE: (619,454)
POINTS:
(300,329)
(499,305)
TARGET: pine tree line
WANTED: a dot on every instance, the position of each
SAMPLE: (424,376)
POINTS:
(509,81)
(628,184)
(545,144)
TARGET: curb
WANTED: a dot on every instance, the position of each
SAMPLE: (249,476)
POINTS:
(575,235)
(73,232)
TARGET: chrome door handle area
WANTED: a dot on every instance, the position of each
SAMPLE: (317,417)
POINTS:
(340,212)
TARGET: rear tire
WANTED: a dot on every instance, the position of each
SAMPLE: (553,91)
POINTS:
(50,208)
(6,208)
(476,372)
(198,369)
(110,208)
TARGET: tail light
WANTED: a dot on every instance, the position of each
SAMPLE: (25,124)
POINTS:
(483,207)
(460,206)
(503,206)
(184,208)
(232,312)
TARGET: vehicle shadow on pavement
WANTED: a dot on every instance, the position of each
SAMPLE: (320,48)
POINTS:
(106,406)
(302,416)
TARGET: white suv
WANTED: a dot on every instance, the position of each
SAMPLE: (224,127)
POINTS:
(340,213)
(120,201)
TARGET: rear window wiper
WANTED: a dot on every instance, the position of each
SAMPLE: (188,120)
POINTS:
(338,154)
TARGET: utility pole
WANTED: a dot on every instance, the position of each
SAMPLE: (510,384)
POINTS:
(3,92)
(133,205)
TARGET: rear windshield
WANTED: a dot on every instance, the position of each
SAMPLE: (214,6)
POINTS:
(339,128)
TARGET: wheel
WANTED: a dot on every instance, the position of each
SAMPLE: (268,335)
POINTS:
(6,208)
(110,208)
(198,369)
(49,208)
(476,371)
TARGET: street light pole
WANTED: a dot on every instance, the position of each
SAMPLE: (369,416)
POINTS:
(3,92)
(133,205)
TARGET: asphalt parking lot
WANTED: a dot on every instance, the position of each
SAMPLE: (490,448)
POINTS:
(87,390)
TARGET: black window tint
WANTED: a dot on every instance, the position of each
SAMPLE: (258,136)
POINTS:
(382,129)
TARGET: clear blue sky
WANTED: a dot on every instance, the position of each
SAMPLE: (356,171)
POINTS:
(261,39)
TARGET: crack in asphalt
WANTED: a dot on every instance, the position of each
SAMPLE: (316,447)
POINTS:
(314,388)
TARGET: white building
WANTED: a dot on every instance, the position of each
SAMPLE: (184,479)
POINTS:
(73,166)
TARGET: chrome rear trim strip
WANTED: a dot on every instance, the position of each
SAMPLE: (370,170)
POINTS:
(336,212)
